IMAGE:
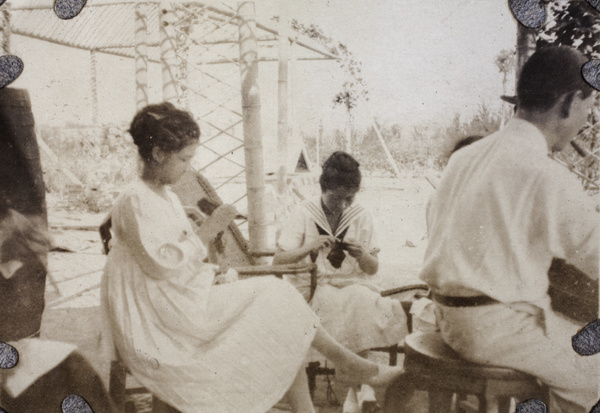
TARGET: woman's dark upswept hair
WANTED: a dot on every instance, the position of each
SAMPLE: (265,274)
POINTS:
(340,169)
(164,126)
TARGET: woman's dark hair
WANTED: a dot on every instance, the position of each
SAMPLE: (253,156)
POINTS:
(164,126)
(549,73)
(340,169)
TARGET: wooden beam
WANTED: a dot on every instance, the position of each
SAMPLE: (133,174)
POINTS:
(141,56)
(168,57)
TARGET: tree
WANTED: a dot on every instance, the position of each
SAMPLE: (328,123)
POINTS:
(573,23)
(354,88)
(506,63)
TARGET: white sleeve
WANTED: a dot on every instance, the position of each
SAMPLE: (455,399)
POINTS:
(572,222)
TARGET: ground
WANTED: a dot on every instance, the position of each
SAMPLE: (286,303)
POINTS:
(72,297)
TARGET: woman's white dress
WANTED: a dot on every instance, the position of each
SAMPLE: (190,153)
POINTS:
(347,302)
(197,346)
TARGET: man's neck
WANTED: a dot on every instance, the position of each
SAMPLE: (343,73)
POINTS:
(547,124)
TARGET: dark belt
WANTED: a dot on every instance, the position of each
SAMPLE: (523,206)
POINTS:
(474,301)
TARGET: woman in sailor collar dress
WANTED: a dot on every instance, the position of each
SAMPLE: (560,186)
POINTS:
(337,234)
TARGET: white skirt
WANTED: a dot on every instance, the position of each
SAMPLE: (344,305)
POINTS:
(358,317)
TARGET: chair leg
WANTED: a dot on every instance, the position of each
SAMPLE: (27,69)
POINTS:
(398,394)
(312,371)
(130,407)
(394,355)
(461,401)
(504,404)
(489,405)
(117,384)
(440,401)
(311,374)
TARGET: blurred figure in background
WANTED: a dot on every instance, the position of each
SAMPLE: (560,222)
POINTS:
(46,371)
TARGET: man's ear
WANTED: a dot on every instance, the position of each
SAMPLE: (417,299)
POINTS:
(158,154)
(566,103)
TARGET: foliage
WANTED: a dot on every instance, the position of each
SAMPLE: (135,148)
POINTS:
(483,123)
(354,88)
(415,149)
(102,158)
(506,61)
(573,23)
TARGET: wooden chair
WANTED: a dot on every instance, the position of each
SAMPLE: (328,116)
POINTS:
(191,188)
(409,293)
(431,365)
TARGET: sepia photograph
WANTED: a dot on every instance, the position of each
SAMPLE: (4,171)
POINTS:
(327,206)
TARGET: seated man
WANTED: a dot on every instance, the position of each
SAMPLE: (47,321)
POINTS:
(502,211)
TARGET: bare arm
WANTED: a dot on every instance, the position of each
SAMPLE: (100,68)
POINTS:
(367,261)
(293,256)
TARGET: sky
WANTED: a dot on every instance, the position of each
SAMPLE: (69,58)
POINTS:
(423,62)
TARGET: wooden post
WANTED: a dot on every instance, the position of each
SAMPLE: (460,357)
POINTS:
(388,154)
(525,48)
(283,84)
(253,150)
(168,58)
(292,76)
(141,56)
(94,84)
(348,134)
(4,30)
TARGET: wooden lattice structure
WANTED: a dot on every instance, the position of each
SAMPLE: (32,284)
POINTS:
(208,52)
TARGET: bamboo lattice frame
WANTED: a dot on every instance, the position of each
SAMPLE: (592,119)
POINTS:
(207,63)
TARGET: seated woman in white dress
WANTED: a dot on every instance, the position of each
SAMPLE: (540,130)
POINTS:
(337,234)
(199,346)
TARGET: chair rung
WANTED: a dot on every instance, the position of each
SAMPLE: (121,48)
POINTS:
(137,390)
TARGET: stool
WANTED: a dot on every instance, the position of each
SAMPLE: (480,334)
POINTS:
(431,365)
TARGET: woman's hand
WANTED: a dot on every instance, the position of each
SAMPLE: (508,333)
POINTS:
(355,248)
(323,241)
(216,222)
(227,277)
(367,261)
(291,257)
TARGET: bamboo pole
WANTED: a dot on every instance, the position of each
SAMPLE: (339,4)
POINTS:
(141,56)
(253,149)
(94,85)
(292,76)
(388,154)
(168,58)
(283,88)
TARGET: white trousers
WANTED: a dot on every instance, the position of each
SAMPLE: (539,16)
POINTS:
(529,338)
